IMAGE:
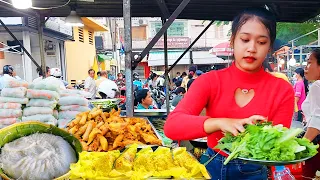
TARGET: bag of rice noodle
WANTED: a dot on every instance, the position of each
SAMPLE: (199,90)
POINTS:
(42,94)
(45,85)
(19,92)
(56,114)
(68,114)
(42,103)
(13,83)
(10,113)
(74,108)
(69,100)
(74,95)
(74,92)
(62,123)
(10,106)
(45,118)
(14,100)
(29,111)
(8,121)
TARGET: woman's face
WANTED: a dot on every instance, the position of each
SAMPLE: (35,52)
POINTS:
(251,46)
(120,76)
(148,100)
(312,70)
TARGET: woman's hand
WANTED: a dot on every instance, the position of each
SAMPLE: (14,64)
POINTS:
(233,126)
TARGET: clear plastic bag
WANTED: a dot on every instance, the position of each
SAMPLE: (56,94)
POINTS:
(45,85)
(69,100)
(45,118)
(19,92)
(8,121)
(75,92)
(13,83)
(14,100)
(42,94)
(10,106)
(62,123)
(29,111)
(42,103)
(74,108)
(56,114)
(10,113)
(68,114)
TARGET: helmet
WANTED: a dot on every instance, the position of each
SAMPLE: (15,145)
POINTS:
(107,89)
(7,69)
(55,72)
(135,76)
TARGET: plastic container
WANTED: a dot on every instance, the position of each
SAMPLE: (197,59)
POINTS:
(282,173)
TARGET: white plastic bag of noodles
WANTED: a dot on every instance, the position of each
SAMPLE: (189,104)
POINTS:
(8,121)
(62,123)
(42,94)
(42,103)
(45,85)
(19,92)
(74,92)
(45,118)
(29,111)
(75,108)
(10,106)
(14,100)
(13,83)
(10,113)
(68,114)
(66,101)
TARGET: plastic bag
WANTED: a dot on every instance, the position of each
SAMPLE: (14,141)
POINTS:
(74,108)
(8,121)
(19,92)
(45,118)
(65,101)
(10,113)
(42,103)
(42,94)
(29,111)
(13,83)
(10,106)
(68,114)
(62,123)
(45,85)
(14,100)
(74,92)
(56,114)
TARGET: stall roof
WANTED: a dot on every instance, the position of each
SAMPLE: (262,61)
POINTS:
(288,10)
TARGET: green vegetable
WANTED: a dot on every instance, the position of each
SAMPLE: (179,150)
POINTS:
(266,142)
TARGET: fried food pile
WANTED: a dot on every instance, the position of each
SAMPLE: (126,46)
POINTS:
(100,131)
(134,164)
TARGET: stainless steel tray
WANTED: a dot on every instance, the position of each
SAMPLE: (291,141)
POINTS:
(115,100)
(270,163)
(150,112)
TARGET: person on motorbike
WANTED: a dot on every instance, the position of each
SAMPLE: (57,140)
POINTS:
(56,76)
(107,89)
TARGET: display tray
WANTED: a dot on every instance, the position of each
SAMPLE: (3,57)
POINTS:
(99,101)
(269,163)
(150,112)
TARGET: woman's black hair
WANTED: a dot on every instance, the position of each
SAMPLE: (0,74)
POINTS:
(39,70)
(190,76)
(141,94)
(183,74)
(300,71)
(262,14)
(316,53)
(153,75)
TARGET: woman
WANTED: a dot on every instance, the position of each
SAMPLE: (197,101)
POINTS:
(311,110)
(235,96)
(120,81)
(144,100)
(300,90)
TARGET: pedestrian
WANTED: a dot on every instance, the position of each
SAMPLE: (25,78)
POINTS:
(235,96)
(90,85)
(180,94)
(300,89)
(144,99)
(177,77)
(311,110)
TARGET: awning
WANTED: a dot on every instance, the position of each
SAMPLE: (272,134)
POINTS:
(222,49)
(102,57)
(203,57)
(156,58)
(93,24)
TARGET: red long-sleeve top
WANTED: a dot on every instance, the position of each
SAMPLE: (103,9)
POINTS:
(215,91)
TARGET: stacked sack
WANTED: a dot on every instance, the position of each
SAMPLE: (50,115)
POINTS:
(71,103)
(43,96)
(13,96)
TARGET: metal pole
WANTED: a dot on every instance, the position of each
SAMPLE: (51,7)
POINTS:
(318,37)
(165,38)
(128,53)
(301,55)
(21,45)
(43,60)
(177,61)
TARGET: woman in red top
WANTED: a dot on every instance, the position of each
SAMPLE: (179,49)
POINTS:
(235,96)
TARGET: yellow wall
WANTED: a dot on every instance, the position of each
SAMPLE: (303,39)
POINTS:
(79,55)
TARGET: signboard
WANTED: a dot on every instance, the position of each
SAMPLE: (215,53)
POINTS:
(173,42)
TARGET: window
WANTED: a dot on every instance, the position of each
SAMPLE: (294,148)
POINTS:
(139,33)
(178,29)
(80,32)
(90,37)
